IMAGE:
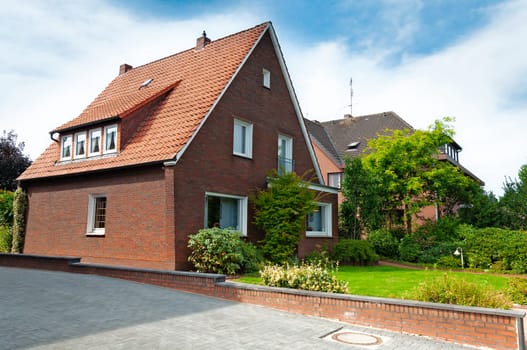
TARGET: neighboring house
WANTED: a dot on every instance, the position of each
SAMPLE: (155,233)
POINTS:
(169,148)
(336,140)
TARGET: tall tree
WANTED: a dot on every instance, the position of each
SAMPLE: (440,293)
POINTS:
(12,160)
(513,203)
(409,174)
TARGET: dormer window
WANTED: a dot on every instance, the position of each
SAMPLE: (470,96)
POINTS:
(95,142)
(110,139)
(266,78)
(80,145)
(65,147)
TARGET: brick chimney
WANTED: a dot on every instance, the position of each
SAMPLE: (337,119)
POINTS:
(202,41)
(124,68)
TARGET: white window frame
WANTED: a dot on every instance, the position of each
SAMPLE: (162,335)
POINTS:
(266,78)
(242,210)
(339,179)
(90,229)
(63,140)
(90,138)
(78,137)
(288,152)
(248,128)
(105,147)
(326,215)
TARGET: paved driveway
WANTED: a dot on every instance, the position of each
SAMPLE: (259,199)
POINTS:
(55,310)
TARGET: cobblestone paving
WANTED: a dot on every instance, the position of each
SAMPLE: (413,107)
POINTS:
(54,310)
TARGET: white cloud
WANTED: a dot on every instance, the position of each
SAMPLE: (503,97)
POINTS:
(471,81)
(57,56)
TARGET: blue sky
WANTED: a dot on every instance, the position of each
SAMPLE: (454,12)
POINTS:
(423,59)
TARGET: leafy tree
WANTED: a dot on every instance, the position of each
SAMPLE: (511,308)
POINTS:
(513,203)
(483,211)
(12,160)
(281,211)
(406,168)
(361,191)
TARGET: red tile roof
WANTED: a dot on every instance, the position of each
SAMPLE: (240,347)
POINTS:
(193,80)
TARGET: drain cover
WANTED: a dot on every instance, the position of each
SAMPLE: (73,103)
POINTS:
(353,338)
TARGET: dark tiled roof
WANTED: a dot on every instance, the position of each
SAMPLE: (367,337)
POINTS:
(318,133)
(348,130)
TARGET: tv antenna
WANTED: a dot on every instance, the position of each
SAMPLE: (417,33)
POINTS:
(351,96)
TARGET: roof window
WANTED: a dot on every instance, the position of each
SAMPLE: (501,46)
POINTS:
(353,146)
(146,83)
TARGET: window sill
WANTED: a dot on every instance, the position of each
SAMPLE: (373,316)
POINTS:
(95,234)
(241,155)
(318,234)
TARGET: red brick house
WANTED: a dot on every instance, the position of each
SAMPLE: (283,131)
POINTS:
(169,148)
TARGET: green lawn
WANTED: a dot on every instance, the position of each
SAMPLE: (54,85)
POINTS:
(394,282)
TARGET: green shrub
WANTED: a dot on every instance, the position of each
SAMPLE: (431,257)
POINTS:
(409,250)
(355,252)
(221,251)
(281,211)
(384,243)
(6,208)
(517,289)
(320,256)
(304,276)
(449,262)
(5,239)
(447,290)
(496,248)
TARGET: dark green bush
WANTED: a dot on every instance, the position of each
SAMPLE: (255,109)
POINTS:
(320,256)
(6,208)
(447,290)
(355,252)
(221,251)
(409,250)
(449,262)
(384,243)
(494,248)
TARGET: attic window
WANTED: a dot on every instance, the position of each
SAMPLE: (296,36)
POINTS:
(353,146)
(146,83)
(266,78)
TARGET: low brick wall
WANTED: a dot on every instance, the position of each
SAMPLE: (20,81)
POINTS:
(493,328)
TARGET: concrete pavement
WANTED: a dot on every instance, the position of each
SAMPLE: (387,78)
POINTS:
(55,310)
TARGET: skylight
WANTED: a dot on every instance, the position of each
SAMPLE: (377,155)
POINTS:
(353,145)
(146,83)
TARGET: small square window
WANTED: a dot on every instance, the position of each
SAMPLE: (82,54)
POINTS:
(96,215)
(80,145)
(242,139)
(95,142)
(65,147)
(334,180)
(266,78)
(319,222)
(110,139)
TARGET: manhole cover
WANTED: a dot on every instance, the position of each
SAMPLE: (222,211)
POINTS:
(356,338)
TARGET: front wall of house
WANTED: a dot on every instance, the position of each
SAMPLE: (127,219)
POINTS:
(209,165)
(135,218)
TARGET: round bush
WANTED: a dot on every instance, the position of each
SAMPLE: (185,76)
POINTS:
(355,252)
(218,250)
(384,243)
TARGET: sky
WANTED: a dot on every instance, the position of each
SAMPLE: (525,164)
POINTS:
(422,59)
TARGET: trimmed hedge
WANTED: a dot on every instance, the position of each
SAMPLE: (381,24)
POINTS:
(351,251)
